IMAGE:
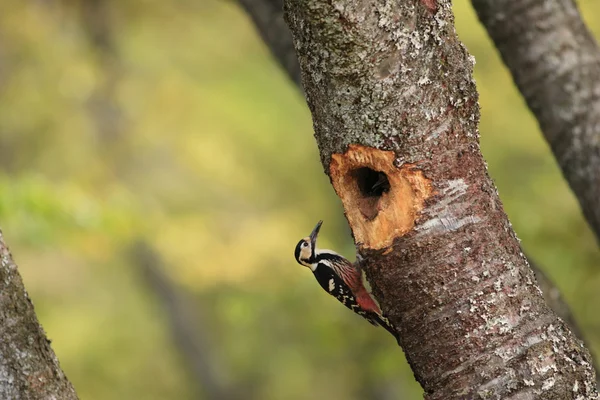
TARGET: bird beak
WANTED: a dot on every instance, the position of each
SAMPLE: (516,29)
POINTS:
(314,234)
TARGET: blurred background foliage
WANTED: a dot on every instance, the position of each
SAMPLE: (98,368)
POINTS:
(169,124)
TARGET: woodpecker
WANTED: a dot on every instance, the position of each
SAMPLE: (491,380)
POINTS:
(340,278)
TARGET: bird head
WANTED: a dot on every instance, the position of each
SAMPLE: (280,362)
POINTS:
(306,249)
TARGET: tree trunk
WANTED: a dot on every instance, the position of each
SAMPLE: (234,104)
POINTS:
(392,97)
(29,369)
(555,62)
(268,18)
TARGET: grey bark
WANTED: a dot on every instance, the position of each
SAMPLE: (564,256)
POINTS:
(390,89)
(555,62)
(29,369)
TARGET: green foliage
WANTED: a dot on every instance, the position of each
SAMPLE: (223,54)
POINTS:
(184,132)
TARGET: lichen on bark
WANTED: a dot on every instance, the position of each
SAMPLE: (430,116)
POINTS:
(392,76)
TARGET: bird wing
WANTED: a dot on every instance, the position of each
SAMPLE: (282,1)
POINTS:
(336,287)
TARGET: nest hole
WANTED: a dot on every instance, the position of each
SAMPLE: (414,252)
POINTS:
(371,183)
(371,186)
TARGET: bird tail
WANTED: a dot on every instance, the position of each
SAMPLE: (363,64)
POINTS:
(388,326)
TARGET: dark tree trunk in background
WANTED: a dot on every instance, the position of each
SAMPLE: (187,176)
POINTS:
(189,335)
(98,23)
(268,18)
(555,62)
(29,369)
(391,92)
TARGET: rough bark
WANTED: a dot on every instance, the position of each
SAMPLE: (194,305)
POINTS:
(555,62)
(29,368)
(268,17)
(554,299)
(391,92)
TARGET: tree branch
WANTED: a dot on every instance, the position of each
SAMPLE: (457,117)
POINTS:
(29,368)
(555,62)
(390,89)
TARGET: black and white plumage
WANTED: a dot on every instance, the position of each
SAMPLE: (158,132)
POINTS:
(341,279)
(336,287)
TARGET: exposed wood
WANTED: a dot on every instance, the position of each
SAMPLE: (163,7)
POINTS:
(378,216)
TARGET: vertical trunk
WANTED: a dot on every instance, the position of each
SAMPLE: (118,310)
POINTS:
(29,368)
(391,92)
(555,62)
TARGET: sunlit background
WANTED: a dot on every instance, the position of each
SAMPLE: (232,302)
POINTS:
(156,171)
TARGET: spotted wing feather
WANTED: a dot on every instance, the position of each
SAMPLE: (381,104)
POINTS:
(336,287)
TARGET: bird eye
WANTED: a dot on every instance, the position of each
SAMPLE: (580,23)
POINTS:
(304,244)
